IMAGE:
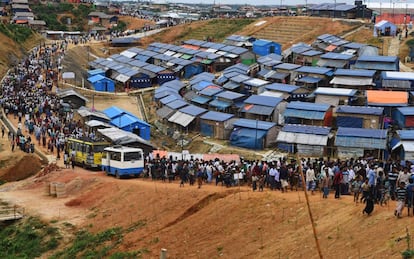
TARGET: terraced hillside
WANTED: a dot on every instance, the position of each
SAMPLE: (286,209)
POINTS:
(289,30)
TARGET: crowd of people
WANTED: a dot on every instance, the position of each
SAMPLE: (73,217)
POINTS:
(27,99)
(370,180)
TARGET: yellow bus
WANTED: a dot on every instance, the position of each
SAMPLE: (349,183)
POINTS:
(88,153)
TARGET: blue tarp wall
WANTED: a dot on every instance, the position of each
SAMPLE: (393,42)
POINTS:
(349,122)
(104,85)
(191,70)
(141,82)
(248,138)
(165,77)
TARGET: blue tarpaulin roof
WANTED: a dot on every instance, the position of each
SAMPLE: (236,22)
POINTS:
(311,53)
(200,99)
(231,85)
(364,133)
(287,66)
(282,87)
(193,110)
(315,70)
(304,114)
(308,106)
(336,56)
(406,111)
(216,116)
(406,134)
(229,95)
(113,112)
(124,120)
(174,84)
(354,45)
(201,85)
(309,79)
(391,59)
(211,90)
(307,129)
(355,72)
(263,100)
(254,124)
(220,104)
(177,104)
(360,110)
(169,99)
(258,109)
(97,78)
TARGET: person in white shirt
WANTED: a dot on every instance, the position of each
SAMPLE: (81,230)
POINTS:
(310,179)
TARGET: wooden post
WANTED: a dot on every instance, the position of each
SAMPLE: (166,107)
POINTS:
(309,209)
(163,253)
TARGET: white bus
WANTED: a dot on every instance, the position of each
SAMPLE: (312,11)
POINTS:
(123,161)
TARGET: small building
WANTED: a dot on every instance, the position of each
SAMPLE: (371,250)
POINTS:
(263,108)
(216,124)
(358,142)
(397,80)
(349,78)
(253,85)
(359,117)
(334,10)
(269,61)
(312,77)
(227,101)
(335,60)
(404,117)
(129,122)
(102,83)
(334,96)
(75,99)
(387,99)
(304,139)
(89,115)
(239,41)
(253,134)
(285,90)
(265,47)
(378,63)
(385,28)
(402,146)
(289,69)
(316,114)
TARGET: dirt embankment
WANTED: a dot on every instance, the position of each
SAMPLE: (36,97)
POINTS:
(21,168)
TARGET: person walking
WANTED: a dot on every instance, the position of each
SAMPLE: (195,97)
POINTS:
(337,181)
(401,198)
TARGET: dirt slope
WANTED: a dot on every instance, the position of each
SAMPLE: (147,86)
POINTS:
(213,222)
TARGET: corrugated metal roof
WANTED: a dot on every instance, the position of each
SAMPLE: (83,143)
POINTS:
(406,134)
(201,85)
(216,116)
(355,72)
(308,106)
(381,66)
(301,138)
(165,112)
(332,63)
(282,87)
(360,142)
(360,110)
(352,81)
(306,129)
(174,84)
(363,133)
(392,75)
(256,82)
(193,110)
(263,100)
(182,119)
(121,137)
(254,124)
